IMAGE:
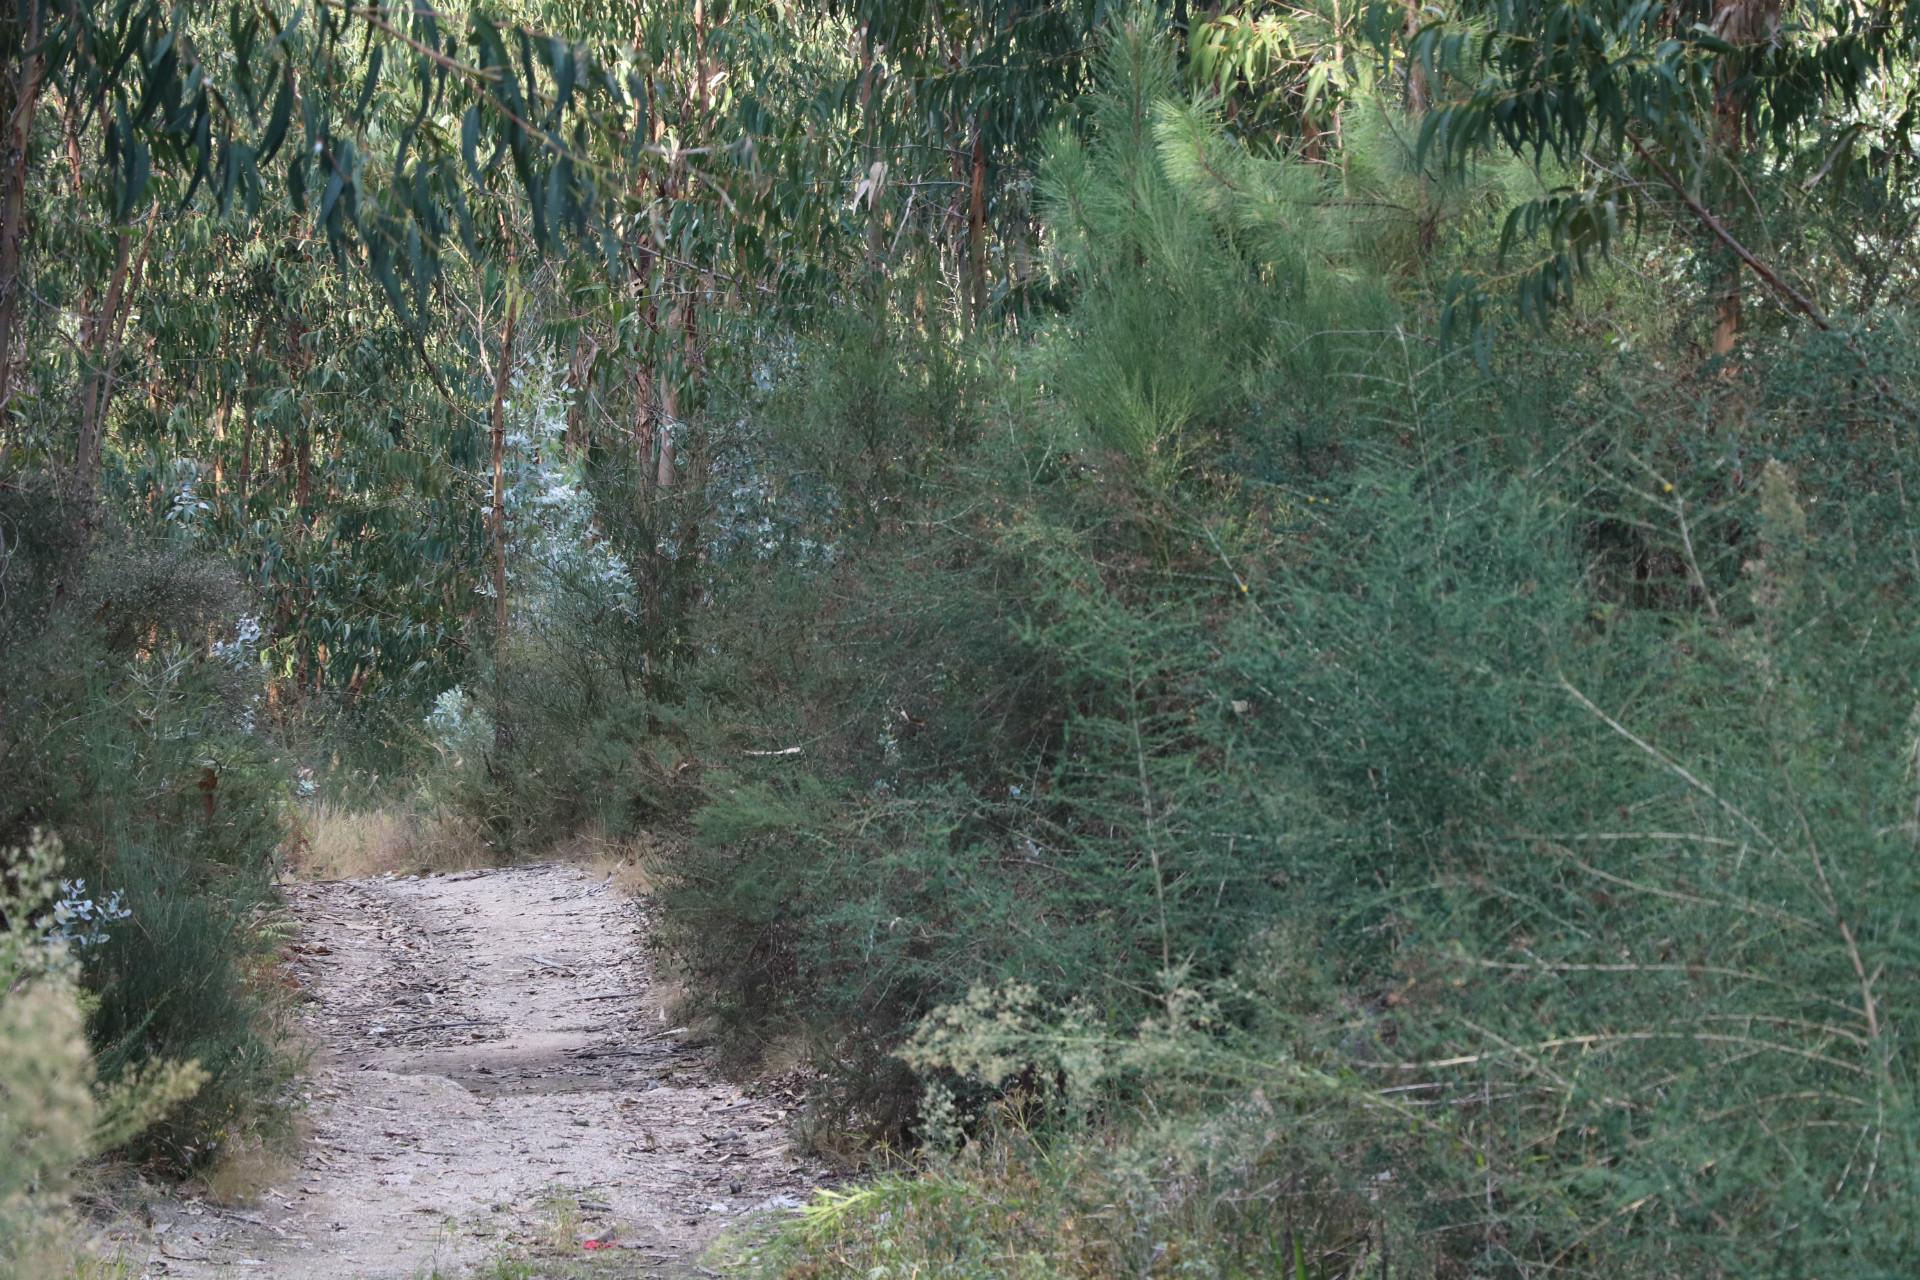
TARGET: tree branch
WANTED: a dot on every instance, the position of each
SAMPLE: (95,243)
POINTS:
(1798,301)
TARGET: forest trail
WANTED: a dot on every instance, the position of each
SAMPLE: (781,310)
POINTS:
(493,1077)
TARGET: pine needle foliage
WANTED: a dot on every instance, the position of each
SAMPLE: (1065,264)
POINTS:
(1202,274)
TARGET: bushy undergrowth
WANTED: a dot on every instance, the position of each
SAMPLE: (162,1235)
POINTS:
(1360,804)
(53,1113)
(126,731)
(558,726)
(1540,820)
(1487,814)
(1216,1193)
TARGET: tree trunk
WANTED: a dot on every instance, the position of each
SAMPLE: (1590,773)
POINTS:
(647,124)
(90,408)
(101,336)
(1741,23)
(1729,135)
(870,127)
(19,102)
(303,472)
(579,383)
(685,313)
(664,475)
(685,574)
(977,224)
(1418,93)
(221,416)
(224,416)
(646,413)
(246,456)
(502,374)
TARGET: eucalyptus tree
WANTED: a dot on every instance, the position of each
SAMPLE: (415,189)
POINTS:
(372,122)
(395,206)
(949,105)
(1723,112)
(1283,72)
(947,92)
(260,219)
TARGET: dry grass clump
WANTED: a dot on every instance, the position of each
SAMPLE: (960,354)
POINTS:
(242,1173)
(630,862)
(340,843)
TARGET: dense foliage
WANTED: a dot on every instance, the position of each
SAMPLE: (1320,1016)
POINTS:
(1279,636)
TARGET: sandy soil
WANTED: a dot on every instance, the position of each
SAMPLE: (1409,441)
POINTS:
(494,1078)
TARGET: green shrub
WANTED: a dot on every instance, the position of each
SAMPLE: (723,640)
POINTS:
(126,724)
(864,413)
(1210,1194)
(1009,731)
(52,1116)
(1507,783)
(186,979)
(1429,853)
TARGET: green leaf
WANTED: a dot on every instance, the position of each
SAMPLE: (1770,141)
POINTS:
(297,180)
(470,141)
(328,199)
(1316,84)
(282,114)
(139,170)
(563,73)
(371,82)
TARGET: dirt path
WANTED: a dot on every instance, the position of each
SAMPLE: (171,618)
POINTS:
(494,1079)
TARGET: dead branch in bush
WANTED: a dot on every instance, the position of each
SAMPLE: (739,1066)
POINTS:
(1598,1040)
(1869,1006)
(1671,765)
(1795,299)
(1762,910)
(1691,970)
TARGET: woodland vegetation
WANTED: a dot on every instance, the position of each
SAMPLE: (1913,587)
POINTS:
(1273,638)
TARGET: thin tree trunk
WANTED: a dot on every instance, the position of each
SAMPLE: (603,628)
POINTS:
(579,378)
(101,337)
(1741,23)
(90,407)
(21,103)
(690,353)
(646,410)
(221,416)
(502,374)
(646,413)
(296,453)
(1417,90)
(1418,97)
(1729,131)
(977,224)
(686,577)
(246,454)
(664,475)
(303,472)
(870,127)
(224,416)
(685,312)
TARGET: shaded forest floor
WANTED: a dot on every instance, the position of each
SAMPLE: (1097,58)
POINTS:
(496,1090)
